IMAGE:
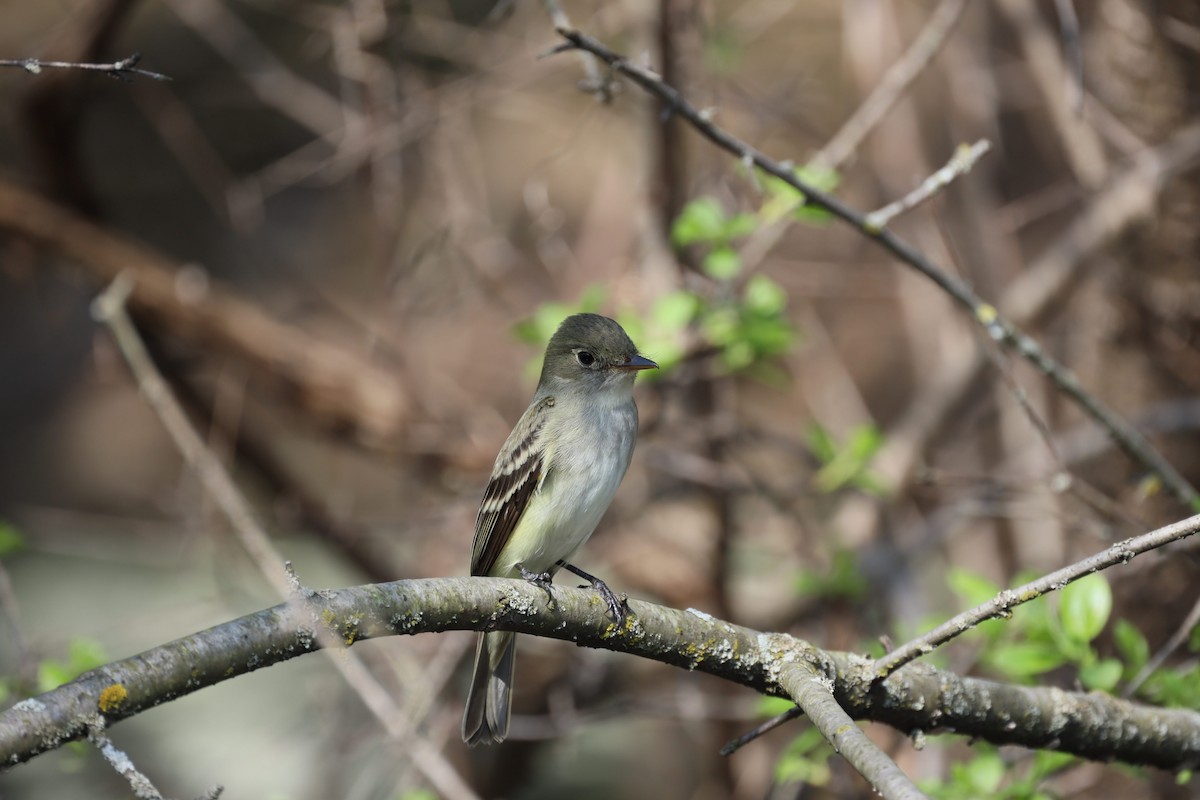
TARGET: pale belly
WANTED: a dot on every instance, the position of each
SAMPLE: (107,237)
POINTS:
(568,507)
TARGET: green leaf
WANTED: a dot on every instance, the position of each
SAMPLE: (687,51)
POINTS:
(1026,659)
(721,326)
(764,296)
(769,707)
(768,335)
(51,674)
(1194,639)
(10,540)
(984,773)
(821,443)
(418,794)
(1048,762)
(864,441)
(738,354)
(740,225)
(842,580)
(974,589)
(826,180)
(675,310)
(1172,687)
(83,654)
(539,327)
(1101,676)
(702,220)
(722,263)
(1085,607)
(805,760)
(821,178)
(1131,644)
(782,198)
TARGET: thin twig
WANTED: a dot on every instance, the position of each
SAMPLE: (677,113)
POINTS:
(121,70)
(1082,147)
(1002,604)
(870,113)
(897,79)
(595,82)
(1177,639)
(12,612)
(1068,25)
(996,326)
(143,788)
(964,160)
(109,308)
(749,736)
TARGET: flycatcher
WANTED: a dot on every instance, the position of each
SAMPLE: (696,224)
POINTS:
(554,478)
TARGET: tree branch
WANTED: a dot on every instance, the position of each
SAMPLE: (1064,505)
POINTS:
(814,696)
(332,383)
(121,70)
(918,697)
(997,327)
(1003,603)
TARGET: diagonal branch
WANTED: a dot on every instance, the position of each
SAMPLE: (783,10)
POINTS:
(897,79)
(1003,603)
(997,327)
(814,696)
(332,383)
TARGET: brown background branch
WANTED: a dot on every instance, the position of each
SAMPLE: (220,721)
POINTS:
(339,388)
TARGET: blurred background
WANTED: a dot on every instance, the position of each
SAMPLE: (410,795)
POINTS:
(355,225)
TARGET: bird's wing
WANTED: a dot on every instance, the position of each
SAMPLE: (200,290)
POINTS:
(518,473)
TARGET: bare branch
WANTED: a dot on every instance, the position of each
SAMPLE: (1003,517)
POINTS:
(121,70)
(109,308)
(997,327)
(964,160)
(898,78)
(1003,603)
(332,383)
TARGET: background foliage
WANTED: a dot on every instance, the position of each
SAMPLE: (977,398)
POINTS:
(416,186)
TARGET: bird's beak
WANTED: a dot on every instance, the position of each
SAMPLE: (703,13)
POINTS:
(636,363)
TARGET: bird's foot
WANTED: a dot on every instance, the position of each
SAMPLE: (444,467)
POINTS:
(618,605)
(543,580)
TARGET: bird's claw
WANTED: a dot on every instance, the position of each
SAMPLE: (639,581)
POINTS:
(618,606)
(542,580)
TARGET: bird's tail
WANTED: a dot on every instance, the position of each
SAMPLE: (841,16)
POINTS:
(489,700)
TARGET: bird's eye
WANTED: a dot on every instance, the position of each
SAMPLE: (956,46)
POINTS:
(585,358)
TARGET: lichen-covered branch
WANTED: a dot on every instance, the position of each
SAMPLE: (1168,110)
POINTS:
(814,695)
(917,697)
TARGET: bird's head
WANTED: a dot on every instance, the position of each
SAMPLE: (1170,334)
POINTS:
(594,351)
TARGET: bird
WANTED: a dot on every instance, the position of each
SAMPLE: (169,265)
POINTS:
(552,481)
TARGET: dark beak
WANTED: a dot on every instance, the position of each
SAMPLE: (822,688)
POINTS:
(637,362)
